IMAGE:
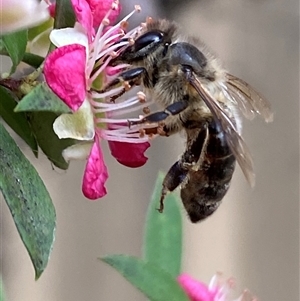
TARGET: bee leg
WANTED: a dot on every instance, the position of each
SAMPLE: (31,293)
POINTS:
(173,109)
(128,78)
(175,176)
(178,173)
(143,45)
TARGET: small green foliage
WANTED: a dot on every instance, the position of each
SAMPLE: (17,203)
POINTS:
(17,121)
(28,200)
(32,60)
(15,45)
(1,290)
(155,274)
(41,98)
(48,141)
(150,279)
(64,14)
(163,233)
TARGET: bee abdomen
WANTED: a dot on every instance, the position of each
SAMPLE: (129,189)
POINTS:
(207,185)
(203,195)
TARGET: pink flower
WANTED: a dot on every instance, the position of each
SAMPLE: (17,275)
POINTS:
(75,71)
(99,8)
(217,290)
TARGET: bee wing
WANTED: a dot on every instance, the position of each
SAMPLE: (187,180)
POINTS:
(250,102)
(234,139)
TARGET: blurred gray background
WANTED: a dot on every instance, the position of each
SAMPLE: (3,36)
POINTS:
(254,236)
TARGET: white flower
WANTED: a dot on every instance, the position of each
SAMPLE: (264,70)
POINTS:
(16,15)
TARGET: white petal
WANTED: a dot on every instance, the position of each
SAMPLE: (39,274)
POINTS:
(79,125)
(68,36)
(79,151)
(16,15)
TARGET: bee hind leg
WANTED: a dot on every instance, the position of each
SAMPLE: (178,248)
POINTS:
(175,176)
(178,173)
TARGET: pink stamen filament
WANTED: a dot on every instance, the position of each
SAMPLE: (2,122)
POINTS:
(114,37)
(103,66)
(112,48)
(96,74)
(100,40)
(120,67)
(141,106)
(117,25)
(126,130)
(116,133)
(128,140)
(96,95)
(133,32)
(110,120)
(117,106)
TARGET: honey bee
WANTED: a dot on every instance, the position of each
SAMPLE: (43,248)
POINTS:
(200,98)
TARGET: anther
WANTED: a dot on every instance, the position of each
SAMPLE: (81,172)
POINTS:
(126,85)
(137,8)
(149,20)
(142,133)
(124,25)
(115,5)
(161,131)
(113,54)
(141,96)
(131,41)
(105,21)
(146,110)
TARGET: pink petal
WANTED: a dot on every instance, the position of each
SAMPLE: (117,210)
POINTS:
(99,9)
(95,174)
(197,291)
(129,154)
(51,9)
(84,16)
(64,71)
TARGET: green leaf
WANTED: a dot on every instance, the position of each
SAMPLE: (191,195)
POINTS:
(150,279)
(32,60)
(17,121)
(51,145)
(64,14)
(28,200)
(15,44)
(163,233)
(1,291)
(41,98)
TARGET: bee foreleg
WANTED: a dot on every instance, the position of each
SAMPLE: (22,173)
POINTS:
(143,45)
(173,109)
(128,78)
